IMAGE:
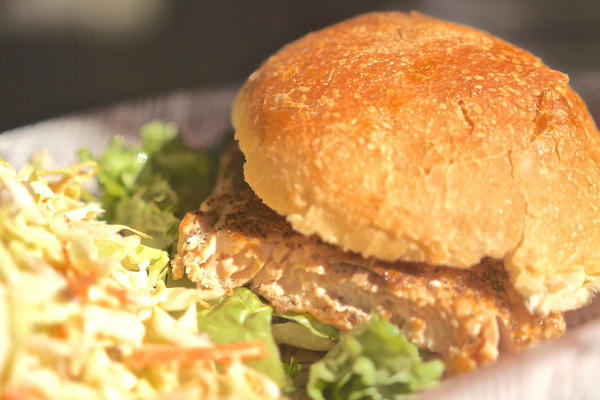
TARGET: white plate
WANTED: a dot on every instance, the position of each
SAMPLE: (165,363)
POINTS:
(568,368)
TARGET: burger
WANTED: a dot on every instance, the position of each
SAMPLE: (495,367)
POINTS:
(426,172)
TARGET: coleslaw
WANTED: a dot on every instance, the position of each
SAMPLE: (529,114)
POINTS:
(84,311)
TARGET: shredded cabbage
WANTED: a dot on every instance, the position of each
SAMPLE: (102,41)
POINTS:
(84,311)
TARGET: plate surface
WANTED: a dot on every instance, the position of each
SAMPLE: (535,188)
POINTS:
(568,368)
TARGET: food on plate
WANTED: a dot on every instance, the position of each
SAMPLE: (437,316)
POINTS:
(84,311)
(108,324)
(423,171)
(151,185)
(235,239)
(376,349)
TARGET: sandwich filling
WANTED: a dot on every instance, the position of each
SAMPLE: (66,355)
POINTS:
(234,240)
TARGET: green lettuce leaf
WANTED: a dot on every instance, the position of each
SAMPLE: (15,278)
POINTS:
(120,165)
(150,186)
(243,316)
(190,173)
(297,335)
(373,361)
(317,327)
(156,134)
(293,368)
(304,331)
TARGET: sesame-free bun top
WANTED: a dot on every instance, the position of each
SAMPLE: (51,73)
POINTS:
(400,136)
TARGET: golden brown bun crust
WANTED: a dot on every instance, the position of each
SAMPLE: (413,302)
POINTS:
(401,136)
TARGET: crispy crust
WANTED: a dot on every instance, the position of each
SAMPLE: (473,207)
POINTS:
(403,137)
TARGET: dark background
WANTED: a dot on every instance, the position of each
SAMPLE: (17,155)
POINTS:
(64,56)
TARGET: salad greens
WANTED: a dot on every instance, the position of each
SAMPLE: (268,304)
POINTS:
(151,186)
(373,361)
(292,369)
(304,331)
(243,316)
(315,326)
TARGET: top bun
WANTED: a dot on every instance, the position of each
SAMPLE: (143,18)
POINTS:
(400,136)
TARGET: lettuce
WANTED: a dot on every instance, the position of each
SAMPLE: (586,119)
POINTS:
(315,326)
(243,316)
(189,173)
(304,331)
(293,368)
(149,187)
(296,335)
(373,361)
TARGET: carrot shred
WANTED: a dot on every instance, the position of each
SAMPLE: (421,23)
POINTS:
(152,354)
(21,393)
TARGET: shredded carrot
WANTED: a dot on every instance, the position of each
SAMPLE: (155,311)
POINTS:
(121,294)
(79,284)
(151,354)
(82,176)
(12,393)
